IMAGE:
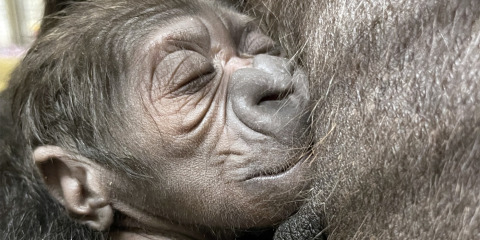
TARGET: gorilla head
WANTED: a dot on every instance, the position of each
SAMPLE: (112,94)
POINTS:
(172,116)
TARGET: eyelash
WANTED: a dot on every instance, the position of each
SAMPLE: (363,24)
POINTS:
(197,83)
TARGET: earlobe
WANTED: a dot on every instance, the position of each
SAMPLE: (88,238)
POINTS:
(77,184)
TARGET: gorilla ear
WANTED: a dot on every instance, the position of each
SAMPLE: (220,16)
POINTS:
(52,8)
(77,184)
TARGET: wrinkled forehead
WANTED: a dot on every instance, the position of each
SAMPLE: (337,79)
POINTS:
(199,26)
(189,22)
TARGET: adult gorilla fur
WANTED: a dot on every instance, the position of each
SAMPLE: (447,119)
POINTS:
(397,124)
(397,119)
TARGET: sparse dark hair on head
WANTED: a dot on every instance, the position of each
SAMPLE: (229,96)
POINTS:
(72,95)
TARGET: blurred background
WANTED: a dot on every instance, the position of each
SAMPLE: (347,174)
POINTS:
(19,23)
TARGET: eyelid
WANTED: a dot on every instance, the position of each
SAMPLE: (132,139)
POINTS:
(255,42)
(177,69)
(193,68)
(195,84)
(187,45)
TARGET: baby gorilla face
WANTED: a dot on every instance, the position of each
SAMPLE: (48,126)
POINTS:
(222,119)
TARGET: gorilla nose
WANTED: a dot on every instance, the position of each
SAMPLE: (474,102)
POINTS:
(270,97)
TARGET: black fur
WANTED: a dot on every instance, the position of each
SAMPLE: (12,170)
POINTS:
(398,115)
(27,209)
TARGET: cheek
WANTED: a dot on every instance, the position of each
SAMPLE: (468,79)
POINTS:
(195,194)
(179,116)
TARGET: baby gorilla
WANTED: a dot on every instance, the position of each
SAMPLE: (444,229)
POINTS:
(164,119)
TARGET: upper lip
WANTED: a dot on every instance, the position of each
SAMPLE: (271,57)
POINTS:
(279,169)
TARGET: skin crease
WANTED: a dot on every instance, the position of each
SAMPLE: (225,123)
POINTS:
(202,131)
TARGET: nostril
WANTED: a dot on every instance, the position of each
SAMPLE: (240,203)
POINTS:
(274,97)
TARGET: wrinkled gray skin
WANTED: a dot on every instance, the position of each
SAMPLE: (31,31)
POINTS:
(398,116)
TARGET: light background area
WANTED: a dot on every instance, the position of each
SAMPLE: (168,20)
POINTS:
(19,23)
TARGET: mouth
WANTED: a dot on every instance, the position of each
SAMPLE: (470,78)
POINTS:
(280,171)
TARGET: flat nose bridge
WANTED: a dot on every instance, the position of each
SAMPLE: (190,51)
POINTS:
(268,78)
(250,85)
(276,66)
(275,80)
(265,98)
(236,63)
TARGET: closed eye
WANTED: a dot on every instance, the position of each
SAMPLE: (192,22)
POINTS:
(196,80)
(255,42)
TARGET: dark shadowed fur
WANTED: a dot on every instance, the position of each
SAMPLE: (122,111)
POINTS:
(397,119)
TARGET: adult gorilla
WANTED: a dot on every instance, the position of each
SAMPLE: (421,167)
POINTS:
(153,119)
(397,119)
